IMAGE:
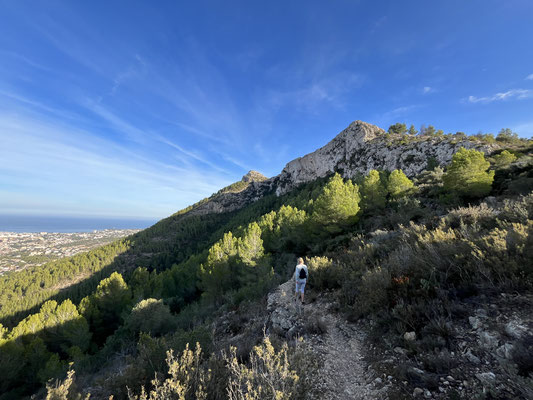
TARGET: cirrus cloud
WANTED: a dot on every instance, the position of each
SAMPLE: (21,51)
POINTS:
(517,94)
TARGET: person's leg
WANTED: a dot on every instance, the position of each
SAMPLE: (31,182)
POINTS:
(302,287)
(296,291)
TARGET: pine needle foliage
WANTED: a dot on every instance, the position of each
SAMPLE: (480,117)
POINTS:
(467,174)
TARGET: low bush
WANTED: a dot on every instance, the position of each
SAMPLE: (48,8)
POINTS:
(323,274)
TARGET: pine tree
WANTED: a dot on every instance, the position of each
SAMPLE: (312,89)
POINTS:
(503,159)
(374,191)
(103,309)
(337,205)
(399,184)
(250,246)
(467,174)
(398,128)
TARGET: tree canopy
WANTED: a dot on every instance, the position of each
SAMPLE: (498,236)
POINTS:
(467,174)
(338,204)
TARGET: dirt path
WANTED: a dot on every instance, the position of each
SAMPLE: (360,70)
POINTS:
(344,374)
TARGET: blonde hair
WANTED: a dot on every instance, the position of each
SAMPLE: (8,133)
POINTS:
(300,260)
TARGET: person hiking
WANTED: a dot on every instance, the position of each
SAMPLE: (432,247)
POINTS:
(300,277)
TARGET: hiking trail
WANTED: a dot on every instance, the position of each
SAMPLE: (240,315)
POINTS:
(343,373)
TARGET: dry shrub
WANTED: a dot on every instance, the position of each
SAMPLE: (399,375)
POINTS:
(481,214)
(65,390)
(518,210)
(188,378)
(315,324)
(268,376)
(373,291)
(440,362)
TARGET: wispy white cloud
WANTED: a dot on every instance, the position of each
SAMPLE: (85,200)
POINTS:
(518,94)
(29,62)
(191,154)
(132,132)
(317,93)
(529,77)
(70,171)
(134,70)
(427,89)
(397,112)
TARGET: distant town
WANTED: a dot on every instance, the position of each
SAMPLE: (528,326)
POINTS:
(23,250)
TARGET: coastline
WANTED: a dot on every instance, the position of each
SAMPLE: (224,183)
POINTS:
(21,250)
(64,224)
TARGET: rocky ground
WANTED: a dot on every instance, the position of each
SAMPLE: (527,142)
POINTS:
(343,372)
(489,349)
(487,354)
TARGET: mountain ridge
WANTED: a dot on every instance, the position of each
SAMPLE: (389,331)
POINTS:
(357,149)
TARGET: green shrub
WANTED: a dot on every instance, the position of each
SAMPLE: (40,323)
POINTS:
(151,316)
(467,174)
(373,291)
(322,273)
(337,205)
(374,191)
(399,185)
(503,159)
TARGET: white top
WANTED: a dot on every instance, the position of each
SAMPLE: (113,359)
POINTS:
(297,271)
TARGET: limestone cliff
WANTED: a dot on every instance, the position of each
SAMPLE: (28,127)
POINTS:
(358,149)
(362,147)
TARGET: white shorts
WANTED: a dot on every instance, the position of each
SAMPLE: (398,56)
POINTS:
(300,285)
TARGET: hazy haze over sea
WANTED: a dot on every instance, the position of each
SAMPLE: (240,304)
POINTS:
(63,224)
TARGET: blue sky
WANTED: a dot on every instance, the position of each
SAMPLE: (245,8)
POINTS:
(137,108)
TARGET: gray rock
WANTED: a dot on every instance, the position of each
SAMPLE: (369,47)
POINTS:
(358,149)
(515,330)
(475,323)
(472,358)
(418,392)
(481,311)
(488,340)
(416,371)
(400,350)
(362,147)
(505,351)
(486,378)
(409,336)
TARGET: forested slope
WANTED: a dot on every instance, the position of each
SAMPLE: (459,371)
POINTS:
(159,289)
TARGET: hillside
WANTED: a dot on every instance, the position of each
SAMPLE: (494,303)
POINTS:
(419,249)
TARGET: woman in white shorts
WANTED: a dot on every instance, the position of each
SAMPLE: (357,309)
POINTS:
(300,277)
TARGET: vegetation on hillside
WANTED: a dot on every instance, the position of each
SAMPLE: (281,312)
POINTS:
(377,241)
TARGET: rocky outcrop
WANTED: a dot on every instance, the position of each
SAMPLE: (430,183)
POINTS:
(358,149)
(254,176)
(362,147)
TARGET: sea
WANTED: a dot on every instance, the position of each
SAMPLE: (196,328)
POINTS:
(62,224)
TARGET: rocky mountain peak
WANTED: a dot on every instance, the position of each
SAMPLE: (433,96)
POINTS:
(359,131)
(254,176)
(356,150)
(362,147)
